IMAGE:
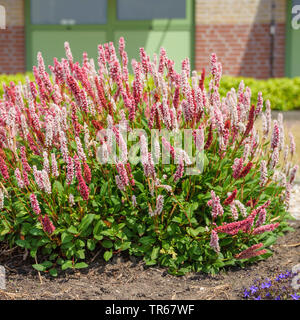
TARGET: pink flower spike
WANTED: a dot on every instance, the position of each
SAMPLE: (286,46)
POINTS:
(87,172)
(266,228)
(3,169)
(19,178)
(275,135)
(47,225)
(25,164)
(180,170)
(83,188)
(70,170)
(261,218)
(54,167)
(230,198)
(217,209)
(214,241)
(251,252)
(237,167)
(159,205)
(293,173)
(34,204)
(292,144)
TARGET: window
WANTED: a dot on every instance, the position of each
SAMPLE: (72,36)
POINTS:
(68,11)
(151,9)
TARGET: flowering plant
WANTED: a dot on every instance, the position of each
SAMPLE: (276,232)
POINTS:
(77,172)
(278,287)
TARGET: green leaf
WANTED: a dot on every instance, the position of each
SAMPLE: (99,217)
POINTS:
(99,238)
(4,231)
(107,244)
(53,256)
(73,230)
(147,240)
(60,261)
(107,255)
(103,189)
(66,237)
(141,229)
(195,232)
(125,245)
(33,252)
(272,239)
(39,267)
(79,243)
(140,186)
(155,252)
(47,264)
(81,265)
(86,222)
(68,264)
(80,254)
(23,243)
(91,244)
(150,262)
(36,232)
(53,272)
(58,187)
(225,242)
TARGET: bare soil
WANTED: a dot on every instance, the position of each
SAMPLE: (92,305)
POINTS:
(126,278)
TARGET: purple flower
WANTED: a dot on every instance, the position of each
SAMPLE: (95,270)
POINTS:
(295,296)
(246,293)
(279,277)
(253,289)
(266,285)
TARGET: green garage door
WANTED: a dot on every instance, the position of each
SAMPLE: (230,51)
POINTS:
(293,39)
(87,23)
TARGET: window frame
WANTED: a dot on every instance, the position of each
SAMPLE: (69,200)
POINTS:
(51,24)
(159,22)
(113,24)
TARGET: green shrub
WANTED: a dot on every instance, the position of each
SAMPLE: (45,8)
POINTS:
(16,78)
(60,196)
(283,93)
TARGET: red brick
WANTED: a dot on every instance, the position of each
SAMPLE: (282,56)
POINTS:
(244,50)
(12,50)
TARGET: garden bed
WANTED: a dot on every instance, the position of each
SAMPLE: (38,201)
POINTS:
(69,200)
(125,278)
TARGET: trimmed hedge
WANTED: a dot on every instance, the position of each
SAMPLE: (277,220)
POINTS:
(283,93)
(16,78)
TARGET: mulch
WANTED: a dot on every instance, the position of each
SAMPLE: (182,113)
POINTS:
(128,278)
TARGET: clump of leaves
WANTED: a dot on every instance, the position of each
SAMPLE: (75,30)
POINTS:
(77,173)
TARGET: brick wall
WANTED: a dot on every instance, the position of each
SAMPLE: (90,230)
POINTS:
(12,39)
(238,31)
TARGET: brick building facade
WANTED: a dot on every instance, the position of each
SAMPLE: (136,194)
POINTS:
(237,30)
(12,38)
